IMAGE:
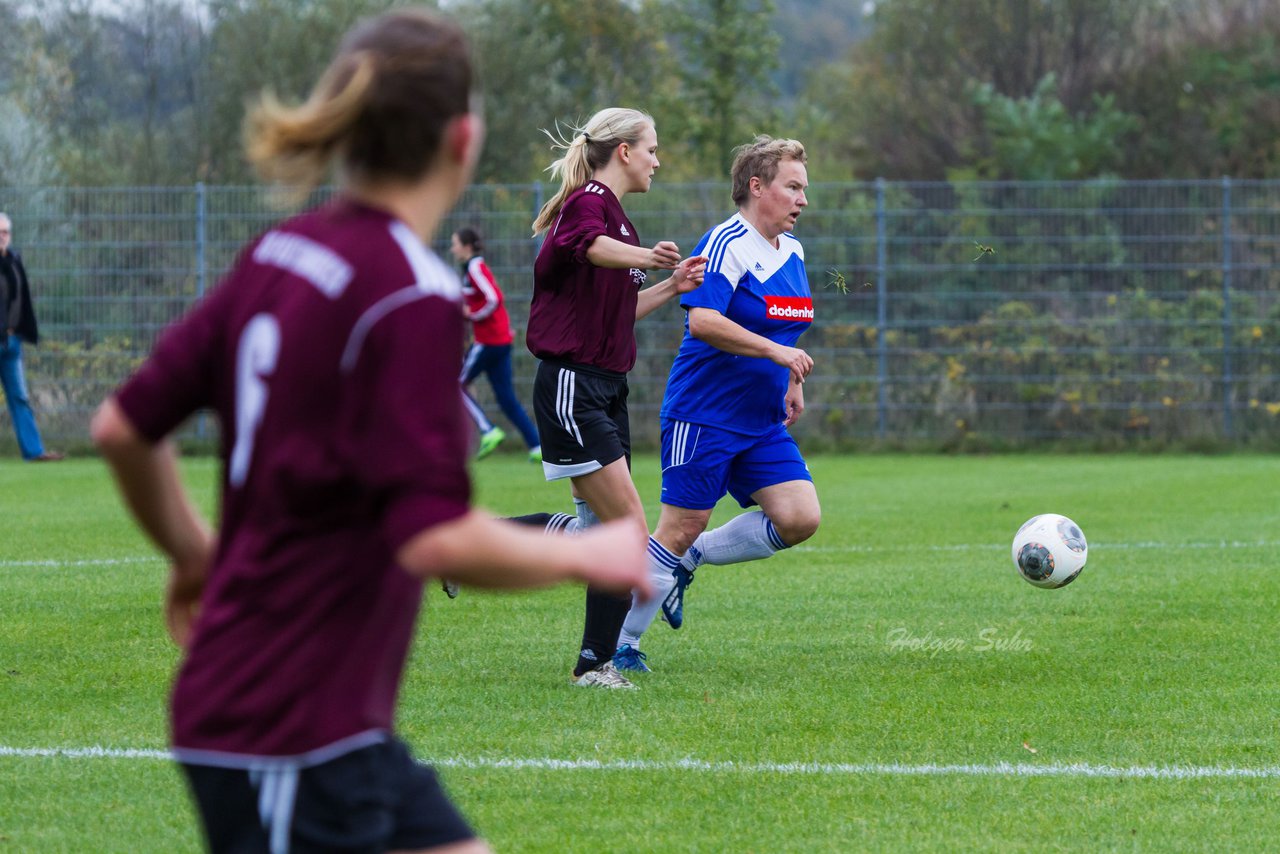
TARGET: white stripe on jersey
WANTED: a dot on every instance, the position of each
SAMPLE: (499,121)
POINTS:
(432,277)
(565,389)
(486,286)
(735,249)
(720,242)
(326,270)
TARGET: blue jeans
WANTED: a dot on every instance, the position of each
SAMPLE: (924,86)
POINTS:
(494,361)
(15,393)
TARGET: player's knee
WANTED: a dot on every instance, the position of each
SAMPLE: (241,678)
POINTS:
(798,526)
(677,532)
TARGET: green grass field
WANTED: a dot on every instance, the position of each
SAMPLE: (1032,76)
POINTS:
(889,686)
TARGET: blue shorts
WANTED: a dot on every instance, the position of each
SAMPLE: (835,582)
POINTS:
(700,464)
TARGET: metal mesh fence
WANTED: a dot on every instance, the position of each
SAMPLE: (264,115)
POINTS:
(1111,312)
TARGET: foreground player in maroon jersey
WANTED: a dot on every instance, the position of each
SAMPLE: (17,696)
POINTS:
(344,481)
(587,297)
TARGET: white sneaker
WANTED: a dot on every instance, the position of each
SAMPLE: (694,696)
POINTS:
(604,676)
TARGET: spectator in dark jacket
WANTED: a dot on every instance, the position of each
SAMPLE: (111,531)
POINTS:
(19,324)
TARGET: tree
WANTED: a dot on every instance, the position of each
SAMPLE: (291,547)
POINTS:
(725,52)
(1207,94)
(558,61)
(1037,139)
(277,45)
(901,107)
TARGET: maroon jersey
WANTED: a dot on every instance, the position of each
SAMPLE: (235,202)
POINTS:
(485,304)
(582,313)
(330,355)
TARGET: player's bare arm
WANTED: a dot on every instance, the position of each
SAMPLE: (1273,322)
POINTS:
(481,551)
(709,325)
(687,276)
(605,251)
(148,478)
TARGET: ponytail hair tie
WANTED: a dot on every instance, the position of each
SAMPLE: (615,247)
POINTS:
(586,137)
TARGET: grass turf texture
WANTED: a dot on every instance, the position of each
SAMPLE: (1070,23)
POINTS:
(898,635)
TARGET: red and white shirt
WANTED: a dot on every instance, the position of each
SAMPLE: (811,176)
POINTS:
(486,306)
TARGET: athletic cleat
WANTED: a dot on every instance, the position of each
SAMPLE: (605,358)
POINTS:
(535,454)
(450,588)
(489,442)
(673,605)
(604,676)
(629,658)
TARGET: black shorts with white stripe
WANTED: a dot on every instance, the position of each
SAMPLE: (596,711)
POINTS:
(582,418)
(375,798)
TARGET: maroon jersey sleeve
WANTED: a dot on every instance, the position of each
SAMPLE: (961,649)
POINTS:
(409,435)
(178,378)
(581,221)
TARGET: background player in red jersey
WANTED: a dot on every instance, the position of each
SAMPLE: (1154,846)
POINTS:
(344,480)
(490,352)
(587,297)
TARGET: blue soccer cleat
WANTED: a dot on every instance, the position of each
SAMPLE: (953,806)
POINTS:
(629,658)
(673,605)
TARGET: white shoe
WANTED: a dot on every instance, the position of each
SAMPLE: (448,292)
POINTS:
(604,676)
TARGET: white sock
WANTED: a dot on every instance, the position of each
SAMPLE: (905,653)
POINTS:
(561,523)
(641,615)
(586,516)
(749,536)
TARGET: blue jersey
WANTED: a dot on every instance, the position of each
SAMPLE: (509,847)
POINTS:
(762,289)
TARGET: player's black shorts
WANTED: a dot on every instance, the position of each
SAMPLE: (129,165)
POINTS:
(376,798)
(582,418)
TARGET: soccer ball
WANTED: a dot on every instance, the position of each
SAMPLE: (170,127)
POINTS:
(1049,550)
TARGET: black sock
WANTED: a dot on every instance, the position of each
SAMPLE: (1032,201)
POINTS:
(533,520)
(606,612)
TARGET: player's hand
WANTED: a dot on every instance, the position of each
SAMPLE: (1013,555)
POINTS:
(614,558)
(664,255)
(183,590)
(688,273)
(795,360)
(794,403)
(182,605)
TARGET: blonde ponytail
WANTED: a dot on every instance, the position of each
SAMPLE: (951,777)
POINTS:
(295,146)
(587,149)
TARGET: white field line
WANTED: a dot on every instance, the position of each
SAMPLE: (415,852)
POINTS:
(71,564)
(1217,545)
(828,769)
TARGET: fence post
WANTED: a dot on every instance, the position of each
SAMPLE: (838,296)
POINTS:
(882,318)
(1228,378)
(537,207)
(202,273)
(201,265)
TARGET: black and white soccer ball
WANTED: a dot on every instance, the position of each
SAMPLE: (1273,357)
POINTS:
(1049,550)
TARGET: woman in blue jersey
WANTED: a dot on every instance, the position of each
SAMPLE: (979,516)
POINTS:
(344,466)
(736,385)
(588,293)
